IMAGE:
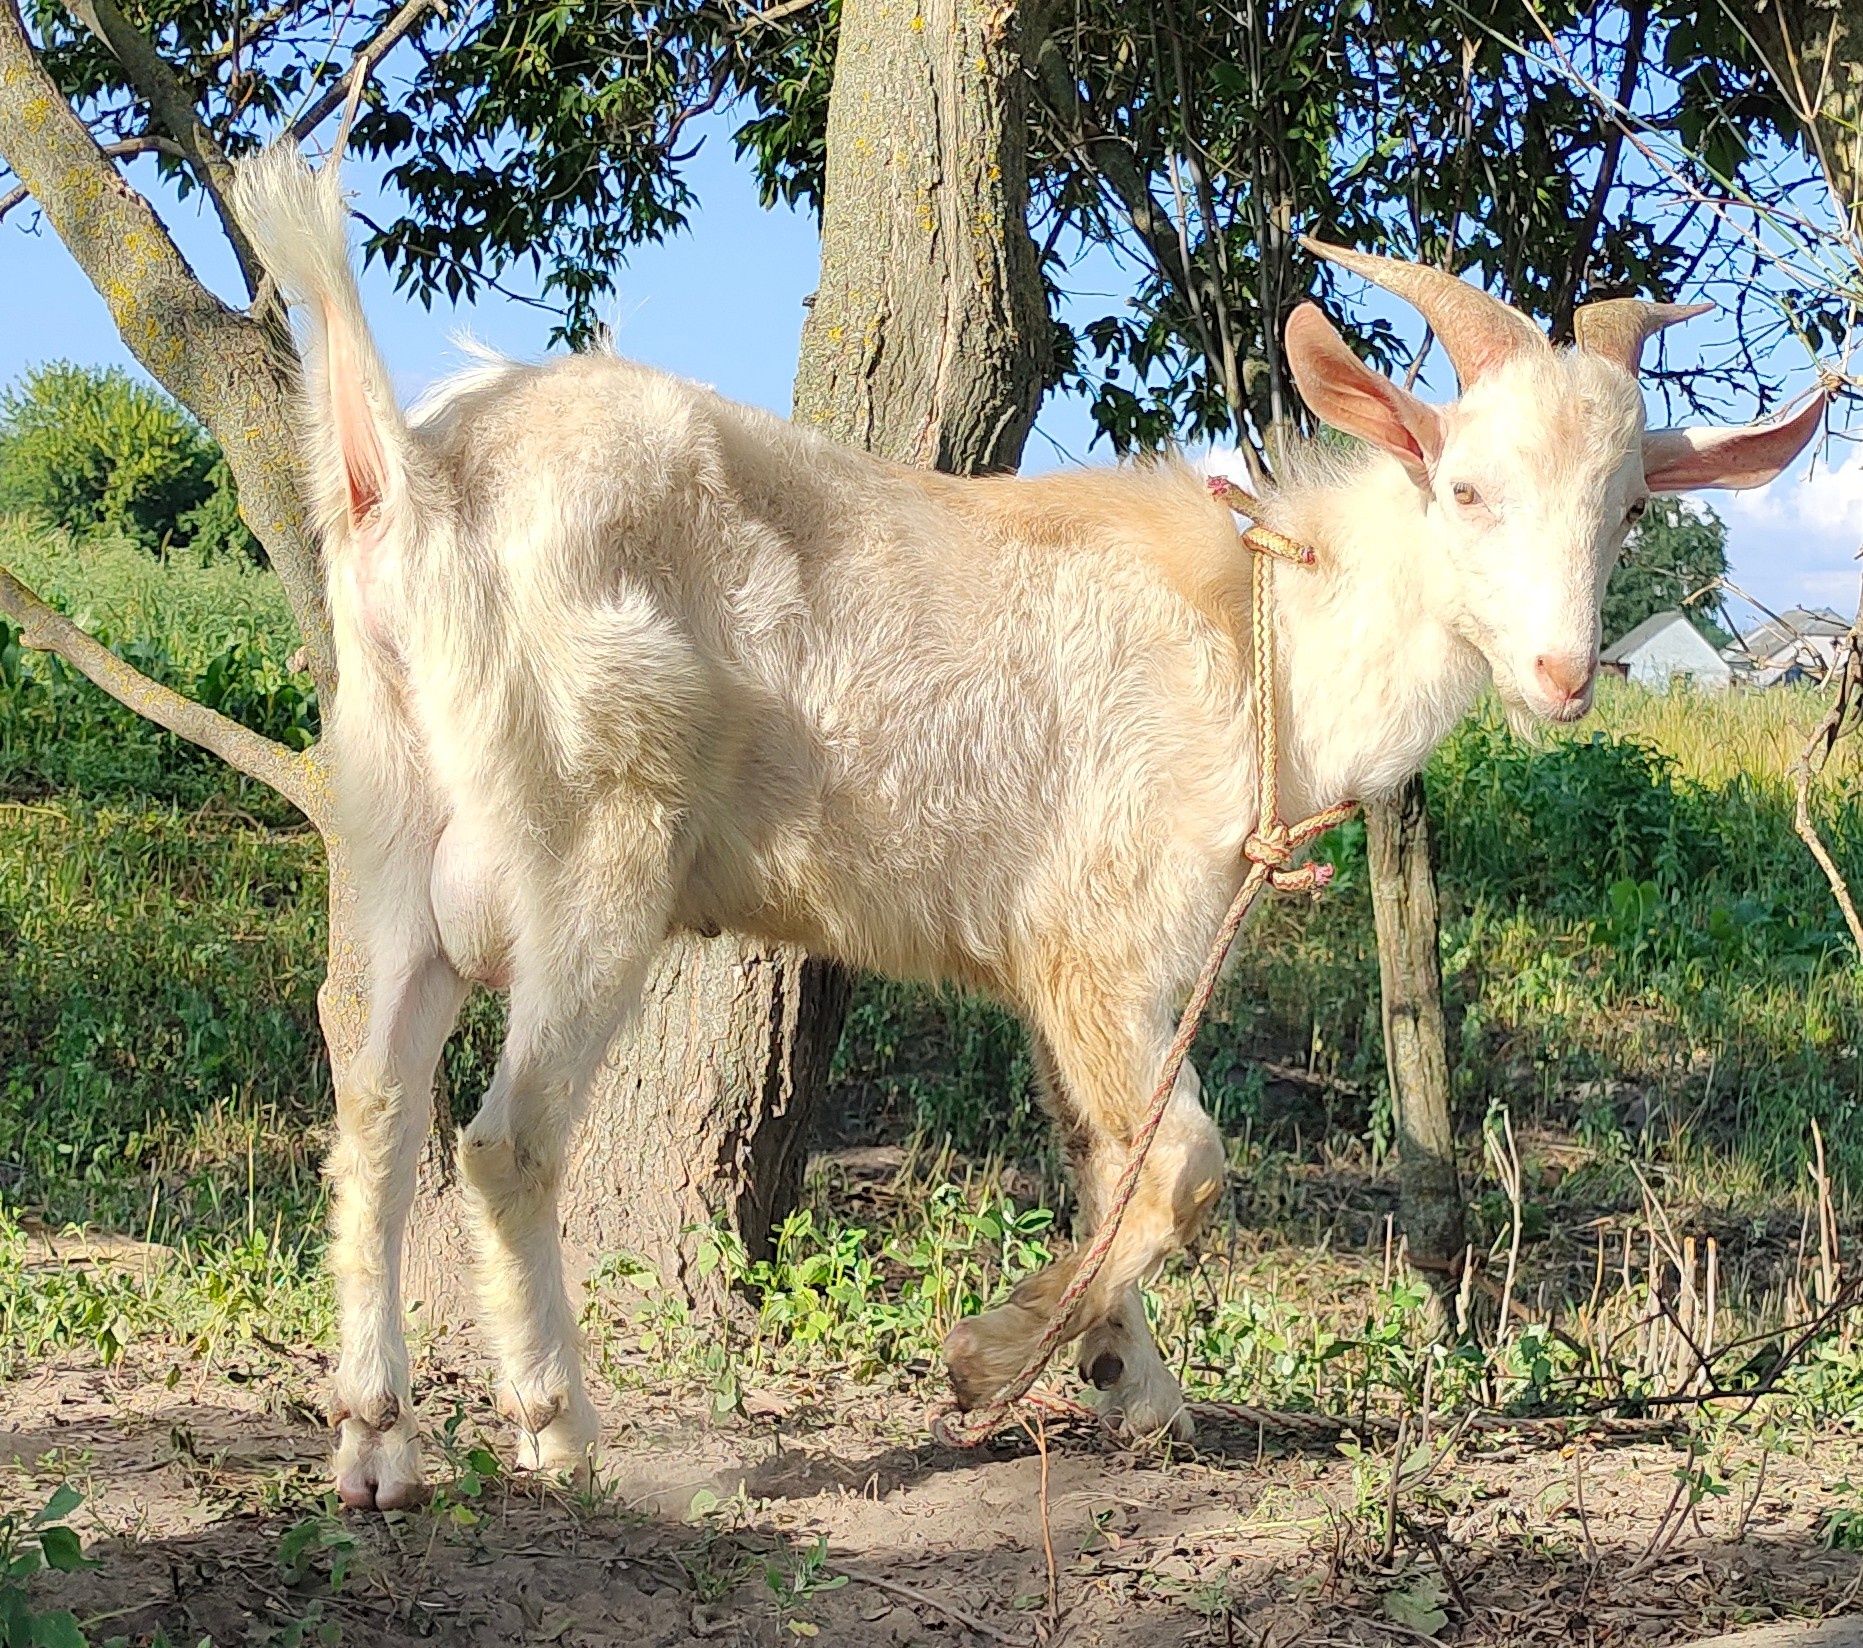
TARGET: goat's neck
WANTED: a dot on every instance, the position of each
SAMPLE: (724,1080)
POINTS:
(1372,674)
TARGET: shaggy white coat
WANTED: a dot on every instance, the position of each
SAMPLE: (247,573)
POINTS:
(619,657)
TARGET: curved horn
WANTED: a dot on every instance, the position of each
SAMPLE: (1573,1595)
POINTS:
(1617,329)
(1476,329)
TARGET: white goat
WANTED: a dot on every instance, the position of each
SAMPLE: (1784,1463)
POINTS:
(620,657)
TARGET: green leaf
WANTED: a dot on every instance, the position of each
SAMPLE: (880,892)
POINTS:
(64,1551)
(59,1630)
(65,1499)
(1418,1605)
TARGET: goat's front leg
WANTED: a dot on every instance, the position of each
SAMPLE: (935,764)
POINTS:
(383,1107)
(1100,1085)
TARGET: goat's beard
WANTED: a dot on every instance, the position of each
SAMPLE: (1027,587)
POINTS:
(1523,721)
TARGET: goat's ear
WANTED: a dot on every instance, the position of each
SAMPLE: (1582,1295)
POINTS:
(1343,391)
(1680,460)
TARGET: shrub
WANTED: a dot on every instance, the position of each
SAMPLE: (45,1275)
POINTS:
(84,449)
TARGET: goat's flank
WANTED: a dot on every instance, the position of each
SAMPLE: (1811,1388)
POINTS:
(620,657)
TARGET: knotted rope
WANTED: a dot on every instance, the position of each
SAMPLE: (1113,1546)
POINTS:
(1270,850)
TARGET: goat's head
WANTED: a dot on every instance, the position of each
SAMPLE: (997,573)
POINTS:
(1529,482)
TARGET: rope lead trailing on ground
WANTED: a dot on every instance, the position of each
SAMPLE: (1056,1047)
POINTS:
(1270,850)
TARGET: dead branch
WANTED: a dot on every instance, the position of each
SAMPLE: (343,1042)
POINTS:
(1840,719)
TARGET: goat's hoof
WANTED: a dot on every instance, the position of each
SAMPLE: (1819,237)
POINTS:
(983,1353)
(1141,1398)
(1144,1411)
(556,1434)
(378,1468)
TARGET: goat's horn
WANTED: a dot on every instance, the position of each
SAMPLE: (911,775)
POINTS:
(1476,329)
(1617,328)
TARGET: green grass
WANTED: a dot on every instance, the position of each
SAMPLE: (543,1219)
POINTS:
(1643,965)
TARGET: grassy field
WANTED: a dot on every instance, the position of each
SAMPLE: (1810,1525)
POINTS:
(1657,1032)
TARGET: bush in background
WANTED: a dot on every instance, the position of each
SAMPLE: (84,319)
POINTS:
(83,449)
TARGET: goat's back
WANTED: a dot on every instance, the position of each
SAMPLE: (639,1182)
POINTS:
(906,718)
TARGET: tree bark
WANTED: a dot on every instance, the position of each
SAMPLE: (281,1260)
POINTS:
(1814,49)
(926,343)
(927,340)
(1403,887)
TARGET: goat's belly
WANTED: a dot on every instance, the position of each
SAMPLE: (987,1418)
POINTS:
(470,908)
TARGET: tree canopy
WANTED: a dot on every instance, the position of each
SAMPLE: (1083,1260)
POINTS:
(1674,557)
(1556,152)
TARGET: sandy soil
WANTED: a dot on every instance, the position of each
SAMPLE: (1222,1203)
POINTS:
(195,1475)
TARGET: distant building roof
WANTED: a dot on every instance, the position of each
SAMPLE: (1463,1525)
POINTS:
(1625,647)
(1800,624)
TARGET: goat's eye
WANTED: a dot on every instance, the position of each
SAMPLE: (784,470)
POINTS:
(1465,494)
(1635,511)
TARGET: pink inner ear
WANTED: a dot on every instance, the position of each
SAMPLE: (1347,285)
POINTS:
(1682,460)
(1344,392)
(359,447)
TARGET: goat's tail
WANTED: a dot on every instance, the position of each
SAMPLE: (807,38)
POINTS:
(359,453)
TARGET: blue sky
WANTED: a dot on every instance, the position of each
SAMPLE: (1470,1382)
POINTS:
(723,303)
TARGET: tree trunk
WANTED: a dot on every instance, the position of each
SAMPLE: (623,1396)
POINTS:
(1403,893)
(926,343)
(1815,51)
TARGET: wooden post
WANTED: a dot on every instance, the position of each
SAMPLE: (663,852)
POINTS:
(1403,896)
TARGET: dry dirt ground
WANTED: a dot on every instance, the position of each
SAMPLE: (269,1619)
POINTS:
(829,1515)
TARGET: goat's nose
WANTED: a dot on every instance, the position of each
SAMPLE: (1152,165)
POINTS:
(1565,675)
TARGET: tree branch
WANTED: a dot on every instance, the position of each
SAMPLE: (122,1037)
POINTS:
(43,629)
(361,66)
(754,17)
(233,373)
(1565,292)
(172,106)
(1110,161)
(145,144)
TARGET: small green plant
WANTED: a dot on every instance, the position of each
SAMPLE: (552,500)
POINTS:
(1841,1527)
(29,1546)
(795,1581)
(318,1549)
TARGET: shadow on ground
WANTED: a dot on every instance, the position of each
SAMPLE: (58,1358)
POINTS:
(204,1518)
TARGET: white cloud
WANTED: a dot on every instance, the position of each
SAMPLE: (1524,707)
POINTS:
(1795,542)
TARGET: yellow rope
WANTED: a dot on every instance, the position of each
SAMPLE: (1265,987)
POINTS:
(1270,849)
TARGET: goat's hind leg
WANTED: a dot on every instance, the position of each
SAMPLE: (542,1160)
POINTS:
(568,1000)
(384,1105)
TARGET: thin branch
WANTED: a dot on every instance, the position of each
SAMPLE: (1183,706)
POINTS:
(926,1599)
(1838,720)
(755,17)
(362,65)
(1565,293)
(172,106)
(43,629)
(146,144)
(248,34)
